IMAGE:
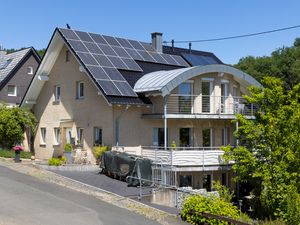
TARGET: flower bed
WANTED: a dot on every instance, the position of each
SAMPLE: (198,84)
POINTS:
(11,154)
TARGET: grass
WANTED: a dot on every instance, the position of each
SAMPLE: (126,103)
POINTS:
(11,154)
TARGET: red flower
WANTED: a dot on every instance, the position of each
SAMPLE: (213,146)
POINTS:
(18,148)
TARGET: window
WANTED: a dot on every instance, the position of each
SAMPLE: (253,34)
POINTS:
(43,136)
(224,95)
(225,136)
(224,179)
(158,137)
(185,181)
(79,90)
(30,70)
(11,90)
(57,136)
(67,56)
(185,97)
(97,136)
(57,93)
(206,95)
(4,64)
(185,137)
(207,182)
(207,137)
(79,135)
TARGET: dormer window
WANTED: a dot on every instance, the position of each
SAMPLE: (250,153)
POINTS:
(30,70)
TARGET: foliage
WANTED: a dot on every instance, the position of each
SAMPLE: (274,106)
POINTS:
(99,150)
(272,222)
(214,205)
(293,208)
(269,155)
(223,191)
(57,161)
(68,147)
(284,63)
(13,123)
(11,154)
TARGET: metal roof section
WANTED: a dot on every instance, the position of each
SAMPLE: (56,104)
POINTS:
(10,61)
(164,82)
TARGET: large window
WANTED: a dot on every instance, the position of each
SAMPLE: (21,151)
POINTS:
(206,95)
(225,136)
(57,93)
(97,136)
(185,137)
(185,99)
(79,90)
(11,90)
(43,136)
(224,95)
(57,138)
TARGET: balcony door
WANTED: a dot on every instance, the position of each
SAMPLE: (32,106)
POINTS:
(206,96)
(158,137)
(207,137)
(185,100)
(224,96)
(185,137)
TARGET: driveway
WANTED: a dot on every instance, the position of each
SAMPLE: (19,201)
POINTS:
(28,200)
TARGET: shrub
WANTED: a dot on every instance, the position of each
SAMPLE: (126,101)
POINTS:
(54,162)
(293,208)
(214,205)
(68,147)
(273,222)
(63,159)
(99,150)
(223,191)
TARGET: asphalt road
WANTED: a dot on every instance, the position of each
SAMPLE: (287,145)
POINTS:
(28,200)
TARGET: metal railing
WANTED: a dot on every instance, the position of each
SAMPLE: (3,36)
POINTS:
(204,104)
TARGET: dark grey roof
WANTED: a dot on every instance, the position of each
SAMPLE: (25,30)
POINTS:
(11,60)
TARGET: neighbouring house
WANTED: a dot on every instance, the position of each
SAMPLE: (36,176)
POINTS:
(16,72)
(169,104)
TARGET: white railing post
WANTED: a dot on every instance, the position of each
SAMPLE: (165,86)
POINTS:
(165,122)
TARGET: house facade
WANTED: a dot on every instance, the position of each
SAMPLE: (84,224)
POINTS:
(16,72)
(168,104)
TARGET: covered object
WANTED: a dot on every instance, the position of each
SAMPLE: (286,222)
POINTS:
(121,165)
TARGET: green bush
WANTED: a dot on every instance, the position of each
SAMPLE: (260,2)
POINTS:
(11,154)
(99,150)
(273,222)
(57,161)
(293,208)
(68,147)
(213,205)
(223,191)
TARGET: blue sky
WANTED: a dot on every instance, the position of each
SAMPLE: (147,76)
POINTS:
(32,22)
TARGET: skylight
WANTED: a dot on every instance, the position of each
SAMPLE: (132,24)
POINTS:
(4,64)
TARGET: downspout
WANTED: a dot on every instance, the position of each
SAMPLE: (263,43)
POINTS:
(118,124)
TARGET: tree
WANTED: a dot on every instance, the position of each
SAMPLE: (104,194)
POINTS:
(13,123)
(284,63)
(269,154)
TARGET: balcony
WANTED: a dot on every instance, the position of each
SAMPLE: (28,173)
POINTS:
(204,106)
(200,157)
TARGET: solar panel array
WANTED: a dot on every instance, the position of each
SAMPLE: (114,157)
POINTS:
(199,60)
(104,55)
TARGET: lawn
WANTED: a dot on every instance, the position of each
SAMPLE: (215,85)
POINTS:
(11,154)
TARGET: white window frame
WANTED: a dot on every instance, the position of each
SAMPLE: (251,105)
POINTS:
(57,136)
(15,90)
(57,96)
(30,70)
(43,133)
(79,95)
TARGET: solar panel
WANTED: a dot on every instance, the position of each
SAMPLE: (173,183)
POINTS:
(93,48)
(180,60)
(78,46)
(84,36)
(117,62)
(109,87)
(87,58)
(148,47)
(98,72)
(124,43)
(158,58)
(132,65)
(134,54)
(103,60)
(69,34)
(107,50)
(124,88)
(111,40)
(147,57)
(121,52)
(136,45)
(98,38)
(199,60)
(169,59)
(113,74)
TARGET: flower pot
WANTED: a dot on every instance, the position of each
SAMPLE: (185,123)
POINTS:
(17,156)
(68,156)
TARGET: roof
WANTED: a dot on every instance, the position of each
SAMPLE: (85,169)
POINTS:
(164,82)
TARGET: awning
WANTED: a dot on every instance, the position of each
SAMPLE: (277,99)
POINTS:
(163,82)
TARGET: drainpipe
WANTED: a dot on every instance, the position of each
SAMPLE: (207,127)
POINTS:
(118,124)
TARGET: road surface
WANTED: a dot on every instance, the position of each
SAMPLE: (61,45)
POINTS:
(28,200)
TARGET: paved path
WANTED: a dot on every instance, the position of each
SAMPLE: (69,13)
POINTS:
(28,200)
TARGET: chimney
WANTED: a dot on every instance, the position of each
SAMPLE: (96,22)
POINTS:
(2,52)
(157,41)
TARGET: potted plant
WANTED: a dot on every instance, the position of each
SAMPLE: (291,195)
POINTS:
(18,149)
(68,152)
